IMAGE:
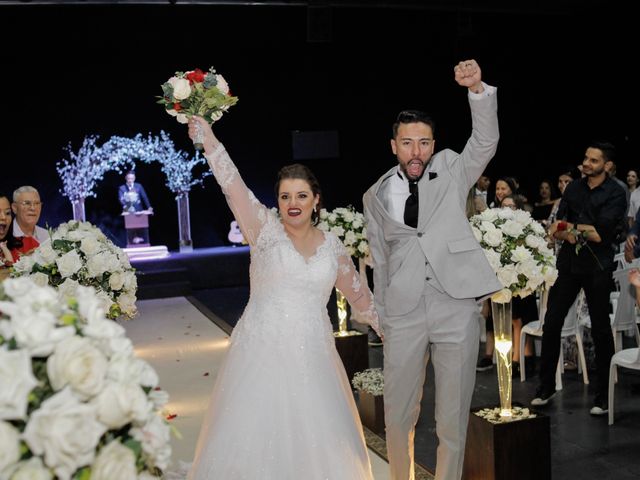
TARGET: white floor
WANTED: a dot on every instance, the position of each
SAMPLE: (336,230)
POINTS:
(186,349)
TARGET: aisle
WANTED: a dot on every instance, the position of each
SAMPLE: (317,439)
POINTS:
(186,349)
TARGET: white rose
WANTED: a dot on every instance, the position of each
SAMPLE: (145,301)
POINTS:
(36,331)
(10,442)
(116,281)
(363,248)
(512,228)
(69,263)
(181,88)
(350,238)
(32,469)
(489,214)
(76,235)
(46,252)
(222,84)
(125,368)
(520,254)
(502,296)
(24,264)
(332,217)
(68,288)
(127,302)
(5,329)
(537,228)
(155,438)
(182,118)
(114,461)
(16,382)
(522,217)
(487,226)
(172,112)
(146,475)
(507,275)
(358,222)
(533,241)
(119,404)
(18,287)
(40,279)
(506,213)
(90,246)
(77,363)
(130,281)
(65,431)
(493,238)
(337,231)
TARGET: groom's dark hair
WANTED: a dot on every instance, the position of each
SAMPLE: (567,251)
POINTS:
(413,116)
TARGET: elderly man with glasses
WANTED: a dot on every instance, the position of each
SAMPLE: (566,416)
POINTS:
(27,207)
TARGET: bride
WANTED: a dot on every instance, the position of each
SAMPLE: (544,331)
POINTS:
(282,407)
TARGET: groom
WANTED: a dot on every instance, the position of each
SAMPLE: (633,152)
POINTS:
(429,270)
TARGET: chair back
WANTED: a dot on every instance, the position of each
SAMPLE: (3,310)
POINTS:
(571,320)
(624,317)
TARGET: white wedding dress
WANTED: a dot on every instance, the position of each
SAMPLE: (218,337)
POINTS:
(282,407)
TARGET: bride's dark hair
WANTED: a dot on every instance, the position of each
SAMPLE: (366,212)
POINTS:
(302,172)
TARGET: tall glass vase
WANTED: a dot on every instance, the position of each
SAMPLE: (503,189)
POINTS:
(503,344)
(78,209)
(343,315)
(184,222)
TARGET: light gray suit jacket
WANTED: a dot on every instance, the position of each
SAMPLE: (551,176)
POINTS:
(443,237)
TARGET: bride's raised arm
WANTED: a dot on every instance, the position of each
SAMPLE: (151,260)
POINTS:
(250,214)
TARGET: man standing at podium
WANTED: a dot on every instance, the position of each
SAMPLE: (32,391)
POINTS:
(134,201)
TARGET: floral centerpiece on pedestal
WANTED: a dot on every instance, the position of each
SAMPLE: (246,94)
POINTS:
(370,386)
(349,226)
(78,253)
(516,248)
(75,402)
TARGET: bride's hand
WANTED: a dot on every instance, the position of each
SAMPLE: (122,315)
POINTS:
(210,142)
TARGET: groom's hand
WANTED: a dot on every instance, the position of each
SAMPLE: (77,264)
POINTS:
(468,74)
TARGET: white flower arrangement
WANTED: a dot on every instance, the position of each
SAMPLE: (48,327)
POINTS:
(516,249)
(78,253)
(492,415)
(348,225)
(75,401)
(370,380)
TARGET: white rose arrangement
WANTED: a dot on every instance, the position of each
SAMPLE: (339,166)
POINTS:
(75,402)
(348,225)
(78,253)
(370,380)
(516,249)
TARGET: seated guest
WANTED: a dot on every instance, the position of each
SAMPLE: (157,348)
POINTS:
(27,208)
(7,240)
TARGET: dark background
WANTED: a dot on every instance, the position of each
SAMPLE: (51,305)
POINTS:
(564,71)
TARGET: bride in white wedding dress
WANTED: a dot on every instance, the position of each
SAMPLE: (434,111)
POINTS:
(282,407)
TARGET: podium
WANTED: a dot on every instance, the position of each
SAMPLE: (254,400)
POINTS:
(137,226)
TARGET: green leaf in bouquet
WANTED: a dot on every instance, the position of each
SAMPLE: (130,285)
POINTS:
(167,90)
(64,245)
(83,474)
(134,445)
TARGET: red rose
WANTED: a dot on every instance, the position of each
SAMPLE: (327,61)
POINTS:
(197,76)
(177,107)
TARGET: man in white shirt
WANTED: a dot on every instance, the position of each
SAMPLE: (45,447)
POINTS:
(27,207)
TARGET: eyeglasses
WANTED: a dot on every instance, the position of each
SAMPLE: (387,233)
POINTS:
(29,204)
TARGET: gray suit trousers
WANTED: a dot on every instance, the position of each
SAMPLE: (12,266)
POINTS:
(447,331)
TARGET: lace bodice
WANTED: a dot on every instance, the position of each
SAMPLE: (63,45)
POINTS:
(289,293)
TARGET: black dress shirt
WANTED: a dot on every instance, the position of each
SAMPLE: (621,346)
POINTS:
(603,207)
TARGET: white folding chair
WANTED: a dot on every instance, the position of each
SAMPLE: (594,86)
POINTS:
(570,328)
(628,358)
(624,316)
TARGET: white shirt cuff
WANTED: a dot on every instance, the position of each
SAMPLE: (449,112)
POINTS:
(488,91)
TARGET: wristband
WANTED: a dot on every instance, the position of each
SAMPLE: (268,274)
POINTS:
(562,226)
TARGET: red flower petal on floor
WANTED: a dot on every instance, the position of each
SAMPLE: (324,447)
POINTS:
(172,416)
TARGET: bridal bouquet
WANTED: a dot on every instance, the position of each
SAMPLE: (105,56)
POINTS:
(78,253)
(195,92)
(517,250)
(75,402)
(348,225)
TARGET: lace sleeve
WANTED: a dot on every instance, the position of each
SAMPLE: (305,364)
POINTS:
(250,214)
(359,296)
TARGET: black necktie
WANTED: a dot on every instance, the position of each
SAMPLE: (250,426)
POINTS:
(411,206)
